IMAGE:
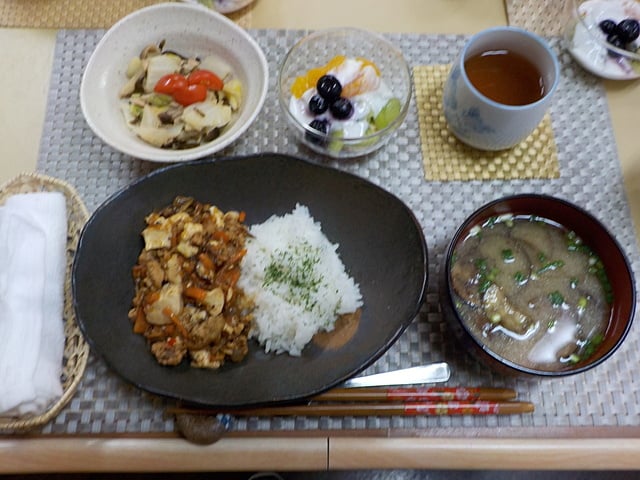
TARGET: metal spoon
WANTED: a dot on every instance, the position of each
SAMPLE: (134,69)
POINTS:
(432,373)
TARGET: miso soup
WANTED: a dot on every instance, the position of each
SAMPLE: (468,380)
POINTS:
(532,291)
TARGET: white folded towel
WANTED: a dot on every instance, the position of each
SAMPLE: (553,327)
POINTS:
(33,236)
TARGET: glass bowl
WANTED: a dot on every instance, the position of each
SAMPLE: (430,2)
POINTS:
(588,45)
(553,307)
(366,129)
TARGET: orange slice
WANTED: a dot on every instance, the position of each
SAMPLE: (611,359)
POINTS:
(304,82)
(334,62)
(299,86)
(314,75)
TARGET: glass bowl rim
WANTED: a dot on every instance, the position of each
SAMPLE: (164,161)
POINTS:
(334,31)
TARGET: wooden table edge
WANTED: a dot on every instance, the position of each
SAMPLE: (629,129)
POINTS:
(540,448)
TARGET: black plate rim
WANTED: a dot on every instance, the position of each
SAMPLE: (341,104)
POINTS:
(283,399)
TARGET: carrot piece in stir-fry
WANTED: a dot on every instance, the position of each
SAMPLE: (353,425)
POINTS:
(198,294)
(174,318)
(140,325)
(238,256)
(206,261)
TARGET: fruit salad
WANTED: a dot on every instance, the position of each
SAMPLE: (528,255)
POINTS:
(345,99)
(615,22)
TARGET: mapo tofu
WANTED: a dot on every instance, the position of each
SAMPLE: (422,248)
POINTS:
(186,303)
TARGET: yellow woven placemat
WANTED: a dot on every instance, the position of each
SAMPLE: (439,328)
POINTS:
(446,159)
(544,17)
(81,13)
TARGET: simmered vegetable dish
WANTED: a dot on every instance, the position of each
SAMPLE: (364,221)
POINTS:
(186,303)
(532,291)
(177,102)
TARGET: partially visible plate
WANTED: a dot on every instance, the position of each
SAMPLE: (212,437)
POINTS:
(380,242)
(222,6)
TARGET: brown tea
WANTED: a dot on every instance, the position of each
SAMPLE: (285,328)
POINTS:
(505,77)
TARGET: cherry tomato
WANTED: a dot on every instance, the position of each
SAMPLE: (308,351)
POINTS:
(190,94)
(169,83)
(206,78)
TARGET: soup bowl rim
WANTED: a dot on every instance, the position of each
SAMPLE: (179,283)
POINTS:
(495,359)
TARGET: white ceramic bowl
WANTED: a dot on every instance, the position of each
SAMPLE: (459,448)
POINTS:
(190,30)
(222,6)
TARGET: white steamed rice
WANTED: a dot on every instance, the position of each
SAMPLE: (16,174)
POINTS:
(295,277)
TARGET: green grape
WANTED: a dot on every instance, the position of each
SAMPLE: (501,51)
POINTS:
(388,114)
(370,141)
(335,142)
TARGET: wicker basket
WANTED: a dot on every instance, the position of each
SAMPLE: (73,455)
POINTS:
(76,350)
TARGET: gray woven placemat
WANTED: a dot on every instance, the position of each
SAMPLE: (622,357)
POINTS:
(590,177)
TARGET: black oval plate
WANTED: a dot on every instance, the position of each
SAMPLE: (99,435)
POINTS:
(380,242)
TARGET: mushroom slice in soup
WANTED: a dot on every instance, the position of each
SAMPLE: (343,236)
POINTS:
(499,310)
(535,236)
(464,279)
(495,259)
(508,263)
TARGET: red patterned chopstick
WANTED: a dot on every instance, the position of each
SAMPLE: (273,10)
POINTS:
(479,407)
(415,394)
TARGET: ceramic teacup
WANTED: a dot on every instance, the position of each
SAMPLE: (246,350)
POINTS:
(487,124)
